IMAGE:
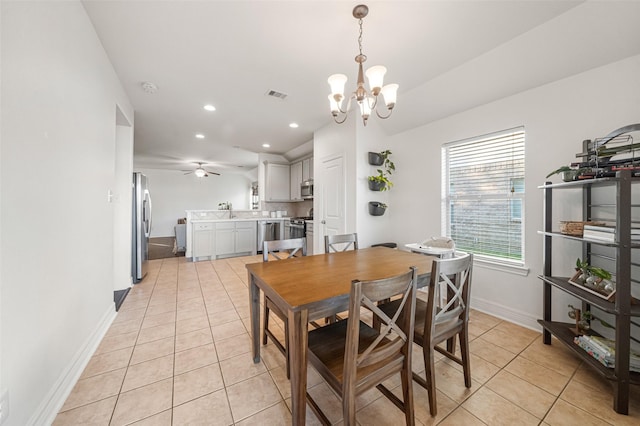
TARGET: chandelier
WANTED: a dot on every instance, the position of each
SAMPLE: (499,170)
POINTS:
(367,100)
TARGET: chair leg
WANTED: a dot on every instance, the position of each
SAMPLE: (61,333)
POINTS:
(430,376)
(464,352)
(349,407)
(286,348)
(266,323)
(407,394)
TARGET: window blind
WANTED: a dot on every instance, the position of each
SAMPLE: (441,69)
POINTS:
(483,194)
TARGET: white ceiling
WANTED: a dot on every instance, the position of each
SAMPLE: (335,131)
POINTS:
(447,56)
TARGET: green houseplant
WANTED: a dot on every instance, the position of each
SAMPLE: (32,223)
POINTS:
(381,181)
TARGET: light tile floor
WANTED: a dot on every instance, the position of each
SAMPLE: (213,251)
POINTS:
(178,353)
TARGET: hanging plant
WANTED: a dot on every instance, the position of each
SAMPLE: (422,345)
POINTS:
(376,208)
(381,182)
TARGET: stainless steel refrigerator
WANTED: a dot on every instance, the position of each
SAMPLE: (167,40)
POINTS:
(141,226)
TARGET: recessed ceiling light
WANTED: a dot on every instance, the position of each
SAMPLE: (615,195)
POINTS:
(199,136)
(209,107)
(293,125)
(265,145)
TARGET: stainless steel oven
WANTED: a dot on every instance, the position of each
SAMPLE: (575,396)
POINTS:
(297,228)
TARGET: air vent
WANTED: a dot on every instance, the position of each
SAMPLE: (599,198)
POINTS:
(275,94)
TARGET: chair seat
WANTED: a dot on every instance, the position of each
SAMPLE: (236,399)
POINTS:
(327,349)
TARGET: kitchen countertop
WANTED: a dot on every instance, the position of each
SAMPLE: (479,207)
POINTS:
(239,219)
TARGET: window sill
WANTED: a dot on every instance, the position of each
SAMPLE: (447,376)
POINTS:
(502,267)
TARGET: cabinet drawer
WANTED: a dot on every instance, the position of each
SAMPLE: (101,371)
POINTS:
(203,226)
(225,225)
(245,225)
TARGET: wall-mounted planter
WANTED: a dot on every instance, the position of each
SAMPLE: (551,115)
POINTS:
(375,159)
(376,185)
(376,208)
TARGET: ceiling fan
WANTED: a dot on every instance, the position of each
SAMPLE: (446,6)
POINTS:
(200,172)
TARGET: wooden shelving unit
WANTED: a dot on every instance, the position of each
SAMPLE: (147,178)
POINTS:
(622,309)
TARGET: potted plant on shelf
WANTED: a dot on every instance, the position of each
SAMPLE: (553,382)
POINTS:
(381,182)
(376,208)
(568,173)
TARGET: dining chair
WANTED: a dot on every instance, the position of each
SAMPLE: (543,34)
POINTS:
(279,250)
(434,325)
(334,243)
(353,357)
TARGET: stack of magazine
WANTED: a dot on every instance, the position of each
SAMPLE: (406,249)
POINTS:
(604,351)
(606,233)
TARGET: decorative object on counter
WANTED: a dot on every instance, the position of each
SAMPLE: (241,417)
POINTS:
(575,228)
(376,208)
(367,101)
(593,279)
(225,206)
(381,182)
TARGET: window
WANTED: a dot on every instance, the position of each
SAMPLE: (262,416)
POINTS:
(483,195)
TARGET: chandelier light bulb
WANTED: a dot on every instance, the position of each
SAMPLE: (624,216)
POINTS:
(390,93)
(337,82)
(375,75)
(333,104)
(365,107)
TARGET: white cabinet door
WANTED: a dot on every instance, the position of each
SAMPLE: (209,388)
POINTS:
(225,238)
(307,169)
(296,180)
(245,237)
(278,182)
(203,240)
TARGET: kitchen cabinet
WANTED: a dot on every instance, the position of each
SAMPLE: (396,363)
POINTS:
(278,186)
(296,180)
(307,169)
(624,309)
(203,240)
(235,238)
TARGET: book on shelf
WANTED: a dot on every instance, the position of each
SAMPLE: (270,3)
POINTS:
(603,350)
(606,233)
(609,229)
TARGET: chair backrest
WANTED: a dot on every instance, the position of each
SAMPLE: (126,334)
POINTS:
(450,284)
(283,249)
(396,331)
(334,242)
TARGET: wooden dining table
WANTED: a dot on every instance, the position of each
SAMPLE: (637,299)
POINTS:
(313,287)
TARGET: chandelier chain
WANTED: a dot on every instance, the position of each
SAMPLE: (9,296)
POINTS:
(360,36)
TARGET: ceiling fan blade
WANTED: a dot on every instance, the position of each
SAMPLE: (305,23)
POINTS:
(213,173)
(187,171)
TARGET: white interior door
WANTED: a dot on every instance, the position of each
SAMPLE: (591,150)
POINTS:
(333,219)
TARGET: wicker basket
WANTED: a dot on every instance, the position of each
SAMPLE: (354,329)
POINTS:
(575,228)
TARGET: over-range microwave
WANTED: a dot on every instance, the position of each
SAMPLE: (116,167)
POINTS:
(306,189)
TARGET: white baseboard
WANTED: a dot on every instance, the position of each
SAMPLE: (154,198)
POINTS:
(503,312)
(53,402)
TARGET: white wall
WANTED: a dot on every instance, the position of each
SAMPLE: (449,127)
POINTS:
(173,192)
(556,117)
(372,229)
(329,142)
(59,97)
(122,278)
